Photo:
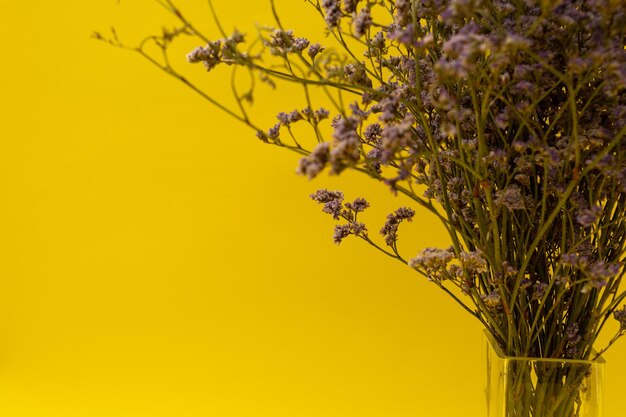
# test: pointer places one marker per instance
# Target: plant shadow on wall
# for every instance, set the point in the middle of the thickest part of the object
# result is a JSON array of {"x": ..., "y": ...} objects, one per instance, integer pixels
[{"x": 505, "y": 119}]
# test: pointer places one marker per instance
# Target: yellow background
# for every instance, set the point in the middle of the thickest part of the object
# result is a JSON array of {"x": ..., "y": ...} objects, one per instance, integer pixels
[{"x": 156, "y": 260}]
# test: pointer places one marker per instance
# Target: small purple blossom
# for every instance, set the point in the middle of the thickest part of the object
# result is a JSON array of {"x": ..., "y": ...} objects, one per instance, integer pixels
[
  {"x": 313, "y": 164},
  {"x": 332, "y": 12},
  {"x": 280, "y": 42},
  {"x": 344, "y": 230},
  {"x": 332, "y": 201},
  {"x": 321, "y": 114},
  {"x": 314, "y": 50},
  {"x": 274, "y": 131},
  {"x": 341, "y": 232},
  {"x": 511, "y": 198},
  {"x": 390, "y": 228},
  {"x": 473, "y": 262},
  {"x": 283, "y": 118},
  {"x": 300, "y": 44},
  {"x": 373, "y": 133},
  {"x": 433, "y": 261},
  {"x": 362, "y": 23},
  {"x": 295, "y": 116},
  {"x": 358, "y": 205},
  {"x": 395, "y": 138},
  {"x": 209, "y": 55}
]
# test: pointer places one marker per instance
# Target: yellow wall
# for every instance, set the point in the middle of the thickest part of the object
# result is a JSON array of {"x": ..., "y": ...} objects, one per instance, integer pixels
[{"x": 156, "y": 260}]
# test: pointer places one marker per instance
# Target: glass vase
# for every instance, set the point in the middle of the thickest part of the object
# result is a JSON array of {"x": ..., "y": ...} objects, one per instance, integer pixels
[{"x": 537, "y": 387}]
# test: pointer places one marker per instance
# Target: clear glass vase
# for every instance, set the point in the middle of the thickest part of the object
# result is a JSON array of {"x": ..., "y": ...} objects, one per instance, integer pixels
[{"x": 536, "y": 387}]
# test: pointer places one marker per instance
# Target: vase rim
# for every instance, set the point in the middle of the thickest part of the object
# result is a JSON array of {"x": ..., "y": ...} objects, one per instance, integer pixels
[{"x": 496, "y": 348}]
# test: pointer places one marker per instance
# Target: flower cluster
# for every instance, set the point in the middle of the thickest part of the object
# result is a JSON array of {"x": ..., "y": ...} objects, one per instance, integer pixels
[
  {"x": 282, "y": 42},
  {"x": 333, "y": 204},
  {"x": 390, "y": 229},
  {"x": 434, "y": 262},
  {"x": 219, "y": 51}
]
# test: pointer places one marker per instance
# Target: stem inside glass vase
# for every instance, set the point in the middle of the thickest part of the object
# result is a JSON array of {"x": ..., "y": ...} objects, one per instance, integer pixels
[{"x": 542, "y": 387}]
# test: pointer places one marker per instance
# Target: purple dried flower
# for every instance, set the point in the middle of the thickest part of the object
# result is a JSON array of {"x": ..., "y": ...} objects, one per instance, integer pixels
[
  {"x": 283, "y": 118},
  {"x": 315, "y": 49},
  {"x": 345, "y": 153},
  {"x": 467, "y": 46},
  {"x": 261, "y": 135},
  {"x": 373, "y": 133},
  {"x": 358, "y": 205},
  {"x": 357, "y": 112},
  {"x": 362, "y": 22},
  {"x": 313, "y": 164},
  {"x": 389, "y": 105},
  {"x": 196, "y": 55},
  {"x": 433, "y": 261},
  {"x": 374, "y": 159},
  {"x": 307, "y": 112},
  {"x": 525, "y": 283},
  {"x": 274, "y": 131},
  {"x": 396, "y": 138},
  {"x": 346, "y": 147},
  {"x": 295, "y": 116},
  {"x": 511, "y": 198},
  {"x": 300, "y": 44},
  {"x": 324, "y": 196},
  {"x": 210, "y": 55},
  {"x": 332, "y": 11},
  {"x": 376, "y": 45},
  {"x": 357, "y": 75},
  {"x": 473, "y": 262},
  {"x": 359, "y": 229},
  {"x": 321, "y": 114},
  {"x": 390, "y": 228},
  {"x": 341, "y": 232},
  {"x": 344, "y": 230},
  {"x": 280, "y": 42},
  {"x": 407, "y": 35},
  {"x": 332, "y": 201},
  {"x": 498, "y": 159}
]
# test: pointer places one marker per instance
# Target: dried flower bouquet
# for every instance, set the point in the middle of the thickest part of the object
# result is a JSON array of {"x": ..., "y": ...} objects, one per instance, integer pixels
[{"x": 505, "y": 119}]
